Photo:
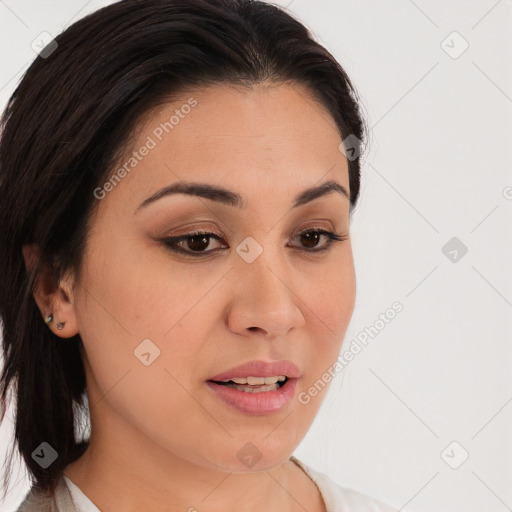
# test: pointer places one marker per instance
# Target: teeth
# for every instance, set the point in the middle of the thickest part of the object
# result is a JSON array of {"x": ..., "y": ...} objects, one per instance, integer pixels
[
  {"x": 253, "y": 389},
  {"x": 256, "y": 381}
]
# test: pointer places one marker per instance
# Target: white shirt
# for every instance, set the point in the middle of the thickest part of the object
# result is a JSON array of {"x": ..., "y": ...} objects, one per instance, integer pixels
[
  {"x": 81, "y": 501},
  {"x": 70, "y": 498},
  {"x": 342, "y": 499}
]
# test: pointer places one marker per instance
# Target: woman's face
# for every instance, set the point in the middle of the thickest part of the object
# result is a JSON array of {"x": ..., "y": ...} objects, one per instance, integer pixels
[{"x": 158, "y": 324}]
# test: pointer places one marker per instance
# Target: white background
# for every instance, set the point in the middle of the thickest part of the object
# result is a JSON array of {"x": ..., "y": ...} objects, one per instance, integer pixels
[{"x": 437, "y": 167}]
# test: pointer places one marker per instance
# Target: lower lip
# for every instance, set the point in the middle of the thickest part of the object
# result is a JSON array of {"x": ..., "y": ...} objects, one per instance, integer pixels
[{"x": 266, "y": 402}]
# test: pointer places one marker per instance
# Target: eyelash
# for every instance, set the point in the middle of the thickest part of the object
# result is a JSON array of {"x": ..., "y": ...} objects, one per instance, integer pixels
[{"x": 172, "y": 242}]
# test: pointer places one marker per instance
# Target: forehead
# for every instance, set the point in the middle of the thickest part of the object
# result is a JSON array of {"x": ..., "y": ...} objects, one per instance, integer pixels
[{"x": 256, "y": 139}]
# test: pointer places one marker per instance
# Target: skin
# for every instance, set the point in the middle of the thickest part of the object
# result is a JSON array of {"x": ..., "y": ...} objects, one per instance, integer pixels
[{"x": 160, "y": 439}]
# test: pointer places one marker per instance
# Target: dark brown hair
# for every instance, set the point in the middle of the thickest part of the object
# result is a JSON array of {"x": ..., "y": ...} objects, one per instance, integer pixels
[{"x": 73, "y": 112}]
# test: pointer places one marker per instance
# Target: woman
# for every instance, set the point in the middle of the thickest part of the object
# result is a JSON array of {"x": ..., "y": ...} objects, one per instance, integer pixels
[{"x": 177, "y": 179}]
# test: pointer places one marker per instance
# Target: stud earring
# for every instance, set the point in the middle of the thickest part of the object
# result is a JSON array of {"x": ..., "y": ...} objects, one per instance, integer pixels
[
  {"x": 49, "y": 319},
  {"x": 61, "y": 325}
]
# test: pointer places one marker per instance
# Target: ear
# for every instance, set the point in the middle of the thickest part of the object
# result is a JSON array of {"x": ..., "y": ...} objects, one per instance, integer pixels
[{"x": 53, "y": 298}]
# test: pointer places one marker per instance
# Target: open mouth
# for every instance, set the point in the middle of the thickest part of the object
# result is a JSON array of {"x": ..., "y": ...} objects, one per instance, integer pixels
[
  {"x": 257, "y": 387},
  {"x": 256, "y": 396},
  {"x": 254, "y": 384}
]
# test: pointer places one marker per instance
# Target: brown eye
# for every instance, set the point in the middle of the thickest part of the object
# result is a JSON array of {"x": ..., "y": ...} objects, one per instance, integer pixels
[
  {"x": 193, "y": 244},
  {"x": 198, "y": 242},
  {"x": 310, "y": 239}
]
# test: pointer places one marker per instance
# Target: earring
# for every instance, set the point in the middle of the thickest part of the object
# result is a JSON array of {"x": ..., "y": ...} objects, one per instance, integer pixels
[
  {"x": 61, "y": 325},
  {"x": 49, "y": 319}
]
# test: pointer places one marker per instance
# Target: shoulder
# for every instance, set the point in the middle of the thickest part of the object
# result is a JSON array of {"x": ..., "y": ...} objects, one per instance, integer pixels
[
  {"x": 338, "y": 499},
  {"x": 39, "y": 501}
]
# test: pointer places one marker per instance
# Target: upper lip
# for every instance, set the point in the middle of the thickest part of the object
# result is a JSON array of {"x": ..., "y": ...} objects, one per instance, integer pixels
[{"x": 260, "y": 369}]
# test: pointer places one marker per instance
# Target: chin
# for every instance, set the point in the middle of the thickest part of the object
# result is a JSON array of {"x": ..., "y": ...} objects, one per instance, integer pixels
[{"x": 253, "y": 458}]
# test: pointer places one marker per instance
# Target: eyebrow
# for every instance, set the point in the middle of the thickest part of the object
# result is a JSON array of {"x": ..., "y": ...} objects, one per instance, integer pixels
[{"x": 230, "y": 198}]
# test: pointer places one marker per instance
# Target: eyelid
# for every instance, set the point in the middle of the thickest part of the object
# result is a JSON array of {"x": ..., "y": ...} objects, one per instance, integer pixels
[
  {"x": 315, "y": 227},
  {"x": 190, "y": 231}
]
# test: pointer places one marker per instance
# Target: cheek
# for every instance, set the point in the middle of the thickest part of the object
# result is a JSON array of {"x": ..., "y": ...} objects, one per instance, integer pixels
[
  {"x": 127, "y": 299},
  {"x": 330, "y": 304},
  {"x": 140, "y": 302},
  {"x": 330, "y": 299},
  {"x": 136, "y": 295}
]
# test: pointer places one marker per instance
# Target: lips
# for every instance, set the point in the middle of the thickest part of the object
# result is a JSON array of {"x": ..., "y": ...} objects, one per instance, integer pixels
[
  {"x": 260, "y": 369},
  {"x": 257, "y": 399}
]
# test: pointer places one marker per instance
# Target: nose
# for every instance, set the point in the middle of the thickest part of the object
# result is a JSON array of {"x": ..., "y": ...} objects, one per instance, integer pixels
[{"x": 265, "y": 299}]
